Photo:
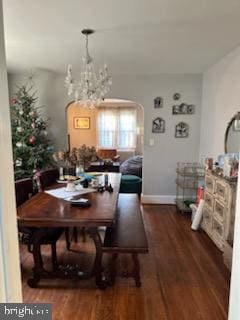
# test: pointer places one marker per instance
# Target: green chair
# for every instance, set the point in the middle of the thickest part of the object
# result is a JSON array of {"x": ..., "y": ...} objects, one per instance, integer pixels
[{"x": 131, "y": 184}]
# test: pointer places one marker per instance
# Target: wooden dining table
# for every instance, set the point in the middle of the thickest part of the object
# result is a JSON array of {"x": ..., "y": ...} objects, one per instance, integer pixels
[{"x": 45, "y": 211}]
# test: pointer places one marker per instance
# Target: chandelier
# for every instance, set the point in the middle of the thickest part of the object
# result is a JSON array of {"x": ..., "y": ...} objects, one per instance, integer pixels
[{"x": 91, "y": 88}]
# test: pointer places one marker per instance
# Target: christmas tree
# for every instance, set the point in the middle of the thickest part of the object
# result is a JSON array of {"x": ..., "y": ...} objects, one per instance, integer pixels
[{"x": 31, "y": 147}]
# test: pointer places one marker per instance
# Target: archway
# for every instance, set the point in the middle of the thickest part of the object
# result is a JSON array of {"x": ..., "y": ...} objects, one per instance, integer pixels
[{"x": 82, "y": 125}]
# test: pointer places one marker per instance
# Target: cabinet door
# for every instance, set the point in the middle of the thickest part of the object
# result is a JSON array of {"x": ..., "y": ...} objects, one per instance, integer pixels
[
  {"x": 219, "y": 211},
  {"x": 210, "y": 183},
  {"x": 221, "y": 191},
  {"x": 217, "y": 234},
  {"x": 209, "y": 200},
  {"x": 207, "y": 220}
]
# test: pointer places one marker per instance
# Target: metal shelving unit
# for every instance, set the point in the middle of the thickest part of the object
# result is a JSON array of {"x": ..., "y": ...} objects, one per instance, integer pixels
[{"x": 188, "y": 177}]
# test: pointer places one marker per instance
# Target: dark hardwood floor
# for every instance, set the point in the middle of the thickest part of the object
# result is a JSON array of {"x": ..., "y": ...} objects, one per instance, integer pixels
[{"x": 183, "y": 277}]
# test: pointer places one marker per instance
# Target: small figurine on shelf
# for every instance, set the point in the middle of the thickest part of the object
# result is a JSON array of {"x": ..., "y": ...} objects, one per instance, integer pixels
[
  {"x": 101, "y": 189},
  {"x": 109, "y": 188},
  {"x": 106, "y": 179},
  {"x": 227, "y": 168},
  {"x": 235, "y": 165},
  {"x": 61, "y": 176},
  {"x": 208, "y": 163},
  {"x": 85, "y": 183}
]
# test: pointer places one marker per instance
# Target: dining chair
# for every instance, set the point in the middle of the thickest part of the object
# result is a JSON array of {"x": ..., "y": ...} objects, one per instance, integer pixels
[
  {"x": 44, "y": 179},
  {"x": 108, "y": 154},
  {"x": 23, "y": 191}
]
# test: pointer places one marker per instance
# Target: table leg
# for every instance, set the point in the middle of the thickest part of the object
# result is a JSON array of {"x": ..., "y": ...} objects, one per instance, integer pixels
[
  {"x": 38, "y": 269},
  {"x": 97, "y": 267}
]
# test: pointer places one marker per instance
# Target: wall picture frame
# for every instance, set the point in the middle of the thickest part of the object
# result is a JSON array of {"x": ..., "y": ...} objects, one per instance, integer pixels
[
  {"x": 176, "y": 96},
  {"x": 81, "y": 122},
  {"x": 183, "y": 108},
  {"x": 181, "y": 130},
  {"x": 158, "y": 125},
  {"x": 158, "y": 102}
]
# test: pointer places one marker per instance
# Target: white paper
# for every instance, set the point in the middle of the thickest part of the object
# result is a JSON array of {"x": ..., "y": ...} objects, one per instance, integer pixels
[{"x": 67, "y": 195}]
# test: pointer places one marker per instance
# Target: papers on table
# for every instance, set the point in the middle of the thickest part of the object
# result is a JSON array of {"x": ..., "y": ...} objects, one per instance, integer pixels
[{"x": 67, "y": 195}]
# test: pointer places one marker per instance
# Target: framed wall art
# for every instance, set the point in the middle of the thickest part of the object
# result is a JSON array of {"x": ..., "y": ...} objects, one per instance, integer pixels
[
  {"x": 176, "y": 96},
  {"x": 158, "y": 102},
  {"x": 158, "y": 125},
  {"x": 81, "y": 122},
  {"x": 182, "y": 130},
  {"x": 183, "y": 108}
]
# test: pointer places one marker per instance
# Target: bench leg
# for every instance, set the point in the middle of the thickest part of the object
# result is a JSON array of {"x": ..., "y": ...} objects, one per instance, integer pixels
[{"x": 136, "y": 269}]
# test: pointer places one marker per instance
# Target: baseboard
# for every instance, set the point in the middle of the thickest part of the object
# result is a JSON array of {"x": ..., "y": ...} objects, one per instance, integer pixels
[{"x": 158, "y": 199}]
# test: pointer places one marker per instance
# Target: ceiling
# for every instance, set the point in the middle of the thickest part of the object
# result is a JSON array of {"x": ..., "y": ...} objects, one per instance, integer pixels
[{"x": 132, "y": 36}]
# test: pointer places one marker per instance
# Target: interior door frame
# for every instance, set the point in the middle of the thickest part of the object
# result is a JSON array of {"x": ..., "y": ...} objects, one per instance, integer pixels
[{"x": 10, "y": 276}]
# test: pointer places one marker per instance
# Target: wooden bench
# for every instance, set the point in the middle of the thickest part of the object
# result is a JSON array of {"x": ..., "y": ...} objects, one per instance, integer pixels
[{"x": 128, "y": 235}]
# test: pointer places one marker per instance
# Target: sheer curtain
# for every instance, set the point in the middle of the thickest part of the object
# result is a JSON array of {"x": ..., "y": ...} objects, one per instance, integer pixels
[{"x": 116, "y": 128}]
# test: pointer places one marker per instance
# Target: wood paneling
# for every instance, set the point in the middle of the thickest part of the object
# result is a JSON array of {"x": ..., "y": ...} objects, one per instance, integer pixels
[{"x": 183, "y": 277}]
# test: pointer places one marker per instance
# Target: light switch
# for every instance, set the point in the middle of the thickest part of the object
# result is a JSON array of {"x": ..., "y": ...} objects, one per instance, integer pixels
[{"x": 151, "y": 142}]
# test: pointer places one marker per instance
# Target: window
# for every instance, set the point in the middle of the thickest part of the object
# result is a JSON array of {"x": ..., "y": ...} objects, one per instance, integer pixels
[{"x": 117, "y": 128}]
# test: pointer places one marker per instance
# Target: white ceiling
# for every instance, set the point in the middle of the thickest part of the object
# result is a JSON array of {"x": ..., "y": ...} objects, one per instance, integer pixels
[{"x": 132, "y": 36}]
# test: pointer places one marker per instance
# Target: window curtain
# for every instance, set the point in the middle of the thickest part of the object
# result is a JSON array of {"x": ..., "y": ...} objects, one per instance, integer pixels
[
  {"x": 116, "y": 128},
  {"x": 107, "y": 127}
]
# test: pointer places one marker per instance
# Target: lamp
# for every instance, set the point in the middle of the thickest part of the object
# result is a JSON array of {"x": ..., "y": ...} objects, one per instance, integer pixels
[{"x": 91, "y": 89}]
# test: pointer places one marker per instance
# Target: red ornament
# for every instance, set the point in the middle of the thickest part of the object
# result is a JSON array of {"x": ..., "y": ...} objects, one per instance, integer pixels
[
  {"x": 13, "y": 101},
  {"x": 32, "y": 139}
]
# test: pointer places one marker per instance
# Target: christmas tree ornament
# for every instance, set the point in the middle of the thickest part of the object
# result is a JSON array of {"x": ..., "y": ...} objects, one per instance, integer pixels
[
  {"x": 21, "y": 112},
  {"x": 13, "y": 101},
  {"x": 32, "y": 139},
  {"x": 50, "y": 148},
  {"x": 19, "y": 144},
  {"x": 19, "y": 129},
  {"x": 33, "y": 125},
  {"x": 18, "y": 162},
  {"x": 45, "y": 133}
]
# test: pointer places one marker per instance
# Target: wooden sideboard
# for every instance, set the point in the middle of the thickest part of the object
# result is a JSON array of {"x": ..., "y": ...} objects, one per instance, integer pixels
[{"x": 219, "y": 212}]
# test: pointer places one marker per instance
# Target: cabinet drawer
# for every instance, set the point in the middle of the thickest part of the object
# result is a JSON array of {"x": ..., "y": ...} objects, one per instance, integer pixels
[
  {"x": 221, "y": 191},
  {"x": 209, "y": 200},
  {"x": 219, "y": 211},
  {"x": 210, "y": 184}
]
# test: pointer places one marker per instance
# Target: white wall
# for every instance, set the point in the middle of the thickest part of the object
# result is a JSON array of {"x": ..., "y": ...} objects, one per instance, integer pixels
[
  {"x": 160, "y": 160},
  {"x": 221, "y": 100}
]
